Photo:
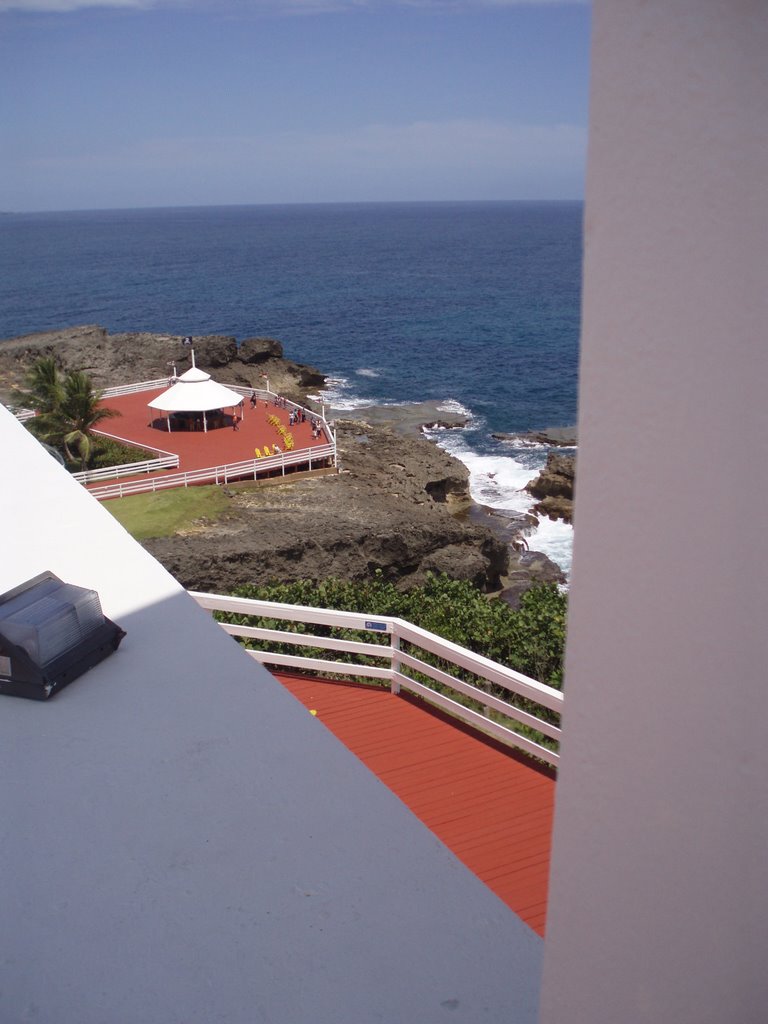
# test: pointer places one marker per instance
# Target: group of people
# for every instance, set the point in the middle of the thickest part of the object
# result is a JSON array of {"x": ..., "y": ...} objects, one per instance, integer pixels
[{"x": 295, "y": 416}]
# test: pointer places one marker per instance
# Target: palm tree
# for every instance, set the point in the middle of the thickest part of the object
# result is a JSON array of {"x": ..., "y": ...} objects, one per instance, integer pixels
[
  {"x": 77, "y": 415},
  {"x": 44, "y": 388},
  {"x": 67, "y": 410},
  {"x": 44, "y": 393}
]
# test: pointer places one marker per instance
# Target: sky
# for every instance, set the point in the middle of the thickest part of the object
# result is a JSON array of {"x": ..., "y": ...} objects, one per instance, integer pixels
[{"x": 146, "y": 103}]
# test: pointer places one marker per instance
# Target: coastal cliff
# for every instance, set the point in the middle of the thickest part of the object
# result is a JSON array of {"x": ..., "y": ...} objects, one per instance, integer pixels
[{"x": 399, "y": 503}]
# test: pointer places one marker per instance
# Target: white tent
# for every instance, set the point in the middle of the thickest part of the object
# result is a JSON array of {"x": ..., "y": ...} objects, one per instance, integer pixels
[{"x": 194, "y": 392}]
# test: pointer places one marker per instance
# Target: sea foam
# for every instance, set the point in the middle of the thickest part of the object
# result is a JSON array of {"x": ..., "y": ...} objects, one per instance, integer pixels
[
  {"x": 498, "y": 480},
  {"x": 337, "y": 395}
]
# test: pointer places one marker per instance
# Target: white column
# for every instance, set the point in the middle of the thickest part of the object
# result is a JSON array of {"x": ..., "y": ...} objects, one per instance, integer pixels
[{"x": 659, "y": 892}]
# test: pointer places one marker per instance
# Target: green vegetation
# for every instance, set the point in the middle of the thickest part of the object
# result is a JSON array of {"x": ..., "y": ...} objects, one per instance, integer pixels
[
  {"x": 530, "y": 640},
  {"x": 163, "y": 513},
  {"x": 107, "y": 452},
  {"x": 45, "y": 391},
  {"x": 68, "y": 410}
]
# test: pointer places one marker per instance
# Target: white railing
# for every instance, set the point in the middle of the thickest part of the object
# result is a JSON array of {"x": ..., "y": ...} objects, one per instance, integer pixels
[
  {"x": 164, "y": 460},
  {"x": 246, "y": 392},
  {"x": 23, "y": 415},
  {"x": 228, "y": 473},
  {"x": 132, "y": 389},
  {"x": 127, "y": 469},
  {"x": 399, "y": 661}
]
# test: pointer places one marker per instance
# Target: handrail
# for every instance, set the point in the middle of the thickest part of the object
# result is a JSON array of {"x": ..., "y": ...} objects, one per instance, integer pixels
[
  {"x": 161, "y": 452},
  {"x": 132, "y": 389},
  {"x": 166, "y": 460},
  {"x": 224, "y": 474},
  {"x": 127, "y": 469},
  {"x": 398, "y": 664}
]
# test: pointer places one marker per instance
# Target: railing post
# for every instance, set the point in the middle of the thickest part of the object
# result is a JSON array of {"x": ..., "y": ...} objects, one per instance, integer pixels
[{"x": 394, "y": 686}]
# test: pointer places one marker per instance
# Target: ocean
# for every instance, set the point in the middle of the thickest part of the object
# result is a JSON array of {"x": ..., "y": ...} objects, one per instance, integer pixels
[{"x": 474, "y": 305}]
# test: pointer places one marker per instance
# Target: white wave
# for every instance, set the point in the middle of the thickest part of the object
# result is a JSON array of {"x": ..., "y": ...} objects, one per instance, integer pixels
[
  {"x": 367, "y": 373},
  {"x": 555, "y": 539},
  {"x": 336, "y": 394},
  {"x": 498, "y": 481},
  {"x": 347, "y": 404},
  {"x": 334, "y": 387},
  {"x": 521, "y": 443},
  {"x": 453, "y": 406}
]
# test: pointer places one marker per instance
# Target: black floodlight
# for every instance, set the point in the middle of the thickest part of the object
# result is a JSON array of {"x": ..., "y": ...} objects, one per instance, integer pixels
[{"x": 50, "y": 633}]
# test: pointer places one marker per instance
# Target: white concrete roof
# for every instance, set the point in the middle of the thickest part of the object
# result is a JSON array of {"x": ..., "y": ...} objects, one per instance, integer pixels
[{"x": 183, "y": 842}]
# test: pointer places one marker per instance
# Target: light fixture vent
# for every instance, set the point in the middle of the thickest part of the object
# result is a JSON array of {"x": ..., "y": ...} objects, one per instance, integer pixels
[{"x": 50, "y": 633}]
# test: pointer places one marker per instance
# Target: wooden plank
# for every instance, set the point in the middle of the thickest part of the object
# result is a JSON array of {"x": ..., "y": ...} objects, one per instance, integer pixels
[{"x": 491, "y": 806}]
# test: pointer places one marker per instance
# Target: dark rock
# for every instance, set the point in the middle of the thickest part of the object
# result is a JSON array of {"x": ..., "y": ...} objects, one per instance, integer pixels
[
  {"x": 213, "y": 351},
  {"x": 554, "y": 486},
  {"x": 524, "y": 567},
  {"x": 555, "y": 508},
  {"x": 556, "y": 479},
  {"x": 565, "y": 437},
  {"x": 412, "y": 419},
  {"x": 257, "y": 350},
  {"x": 443, "y": 424},
  {"x": 527, "y": 568}
]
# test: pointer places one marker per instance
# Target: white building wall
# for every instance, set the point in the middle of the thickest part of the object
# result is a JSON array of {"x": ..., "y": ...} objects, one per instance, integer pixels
[{"x": 659, "y": 892}]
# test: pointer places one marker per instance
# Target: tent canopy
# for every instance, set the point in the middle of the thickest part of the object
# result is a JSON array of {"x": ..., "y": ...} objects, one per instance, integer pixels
[{"x": 194, "y": 391}]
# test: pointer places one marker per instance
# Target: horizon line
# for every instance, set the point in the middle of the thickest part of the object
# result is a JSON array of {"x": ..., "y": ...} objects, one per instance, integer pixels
[{"x": 330, "y": 202}]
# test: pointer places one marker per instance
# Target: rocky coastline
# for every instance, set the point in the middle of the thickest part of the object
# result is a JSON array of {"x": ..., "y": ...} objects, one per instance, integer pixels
[{"x": 399, "y": 504}]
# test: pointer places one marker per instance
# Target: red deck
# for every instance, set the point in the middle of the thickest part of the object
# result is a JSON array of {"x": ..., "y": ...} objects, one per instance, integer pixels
[
  {"x": 490, "y": 806},
  {"x": 199, "y": 449}
]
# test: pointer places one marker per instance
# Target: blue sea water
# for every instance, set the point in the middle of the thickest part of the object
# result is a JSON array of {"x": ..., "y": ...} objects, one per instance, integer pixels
[{"x": 472, "y": 304}]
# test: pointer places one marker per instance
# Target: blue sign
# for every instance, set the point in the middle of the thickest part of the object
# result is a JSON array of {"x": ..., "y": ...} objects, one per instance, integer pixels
[{"x": 380, "y": 626}]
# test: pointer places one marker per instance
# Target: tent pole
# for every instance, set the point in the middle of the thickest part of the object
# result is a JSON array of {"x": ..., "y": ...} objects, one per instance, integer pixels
[{"x": 205, "y": 422}]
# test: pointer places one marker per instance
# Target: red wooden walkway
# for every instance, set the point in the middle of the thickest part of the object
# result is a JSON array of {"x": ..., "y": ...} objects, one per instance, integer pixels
[{"x": 492, "y": 807}]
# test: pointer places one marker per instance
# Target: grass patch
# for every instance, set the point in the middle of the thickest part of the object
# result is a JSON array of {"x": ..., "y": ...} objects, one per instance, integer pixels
[{"x": 165, "y": 513}]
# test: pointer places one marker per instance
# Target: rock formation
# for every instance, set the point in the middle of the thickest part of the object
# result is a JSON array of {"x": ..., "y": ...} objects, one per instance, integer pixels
[{"x": 554, "y": 487}]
